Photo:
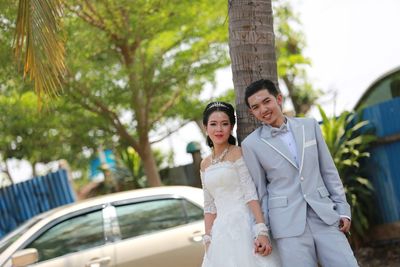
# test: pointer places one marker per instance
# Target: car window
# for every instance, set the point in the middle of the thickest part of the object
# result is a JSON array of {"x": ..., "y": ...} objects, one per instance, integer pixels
[
  {"x": 71, "y": 235},
  {"x": 6, "y": 241},
  {"x": 150, "y": 216},
  {"x": 193, "y": 212}
]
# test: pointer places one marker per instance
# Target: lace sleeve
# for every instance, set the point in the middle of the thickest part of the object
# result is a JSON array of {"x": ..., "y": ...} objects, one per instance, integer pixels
[
  {"x": 246, "y": 182},
  {"x": 209, "y": 206}
]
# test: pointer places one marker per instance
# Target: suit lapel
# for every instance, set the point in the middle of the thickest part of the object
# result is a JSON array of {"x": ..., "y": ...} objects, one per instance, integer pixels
[
  {"x": 298, "y": 134},
  {"x": 276, "y": 144}
]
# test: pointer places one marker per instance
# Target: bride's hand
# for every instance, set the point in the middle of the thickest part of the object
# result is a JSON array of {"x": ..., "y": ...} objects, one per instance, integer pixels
[
  {"x": 206, "y": 241},
  {"x": 262, "y": 245}
]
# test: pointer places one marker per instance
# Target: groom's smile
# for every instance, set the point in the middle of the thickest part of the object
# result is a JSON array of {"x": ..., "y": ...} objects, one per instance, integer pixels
[{"x": 267, "y": 108}]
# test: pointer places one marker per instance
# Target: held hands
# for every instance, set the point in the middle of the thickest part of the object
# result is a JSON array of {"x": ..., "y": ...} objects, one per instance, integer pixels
[{"x": 262, "y": 245}]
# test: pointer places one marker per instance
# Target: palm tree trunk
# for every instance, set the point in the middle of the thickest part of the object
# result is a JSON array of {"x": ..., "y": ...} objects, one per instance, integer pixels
[{"x": 252, "y": 52}]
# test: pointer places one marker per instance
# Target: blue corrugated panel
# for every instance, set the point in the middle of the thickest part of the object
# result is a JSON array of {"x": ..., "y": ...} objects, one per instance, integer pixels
[
  {"x": 20, "y": 202},
  {"x": 385, "y": 162},
  {"x": 7, "y": 221},
  {"x": 42, "y": 193},
  {"x": 385, "y": 117},
  {"x": 67, "y": 194},
  {"x": 53, "y": 194}
]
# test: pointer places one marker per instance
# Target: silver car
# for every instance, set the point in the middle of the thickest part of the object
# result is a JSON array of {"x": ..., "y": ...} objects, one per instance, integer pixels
[{"x": 151, "y": 227}]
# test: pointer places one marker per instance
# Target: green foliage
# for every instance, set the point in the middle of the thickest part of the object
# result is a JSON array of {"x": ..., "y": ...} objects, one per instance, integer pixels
[
  {"x": 135, "y": 177},
  {"x": 292, "y": 64},
  {"x": 150, "y": 54},
  {"x": 130, "y": 62},
  {"x": 10, "y": 80},
  {"x": 141, "y": 61},
  {"x": 129, "y": 171},
  {"x": 348, "y": 147},
  {"x": 58, "y": 132}
]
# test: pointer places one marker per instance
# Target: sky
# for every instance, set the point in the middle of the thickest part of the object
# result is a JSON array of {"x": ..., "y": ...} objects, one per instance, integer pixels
[{"x": 351, "y": 43}]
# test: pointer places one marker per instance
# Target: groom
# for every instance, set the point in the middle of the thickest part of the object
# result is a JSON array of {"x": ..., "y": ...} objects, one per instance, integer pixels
[{"x": 300, "y": 190}]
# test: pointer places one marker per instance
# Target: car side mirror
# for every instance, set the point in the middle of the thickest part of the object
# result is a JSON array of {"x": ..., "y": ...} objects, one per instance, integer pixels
[{"x": 25, "y": 257}]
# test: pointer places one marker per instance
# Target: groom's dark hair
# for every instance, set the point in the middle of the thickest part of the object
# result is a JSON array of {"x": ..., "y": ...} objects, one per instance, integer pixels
[{"x": 256, "y": 86}]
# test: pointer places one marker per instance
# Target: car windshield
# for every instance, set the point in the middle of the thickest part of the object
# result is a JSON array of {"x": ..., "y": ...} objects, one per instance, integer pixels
[{"x": 6, "y": 241}]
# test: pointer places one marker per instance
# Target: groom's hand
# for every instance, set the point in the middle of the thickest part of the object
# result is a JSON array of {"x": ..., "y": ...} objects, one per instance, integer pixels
[
  {"x": 262, "y": 245},
  {"x": 344, "y": 225}
]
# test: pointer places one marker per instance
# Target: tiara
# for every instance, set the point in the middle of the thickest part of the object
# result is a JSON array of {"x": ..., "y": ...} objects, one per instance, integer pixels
[{"x": 218, "y": 105}]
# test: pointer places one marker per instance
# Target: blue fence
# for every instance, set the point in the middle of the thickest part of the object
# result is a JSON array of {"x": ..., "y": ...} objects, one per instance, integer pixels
[
  {"x": 385, "y": 160},
  {"x": 20, "y": 202}
]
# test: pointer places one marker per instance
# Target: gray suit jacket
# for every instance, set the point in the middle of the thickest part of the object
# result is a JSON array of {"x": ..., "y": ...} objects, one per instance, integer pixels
[{"x": 285, "y": 188}]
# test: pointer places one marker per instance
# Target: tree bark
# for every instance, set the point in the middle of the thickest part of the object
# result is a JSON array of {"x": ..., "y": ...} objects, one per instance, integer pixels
[
  {"x": 252, "y": 52},
  {"x": 149, "y": 164},
  {"x": 7, "y": 172}
]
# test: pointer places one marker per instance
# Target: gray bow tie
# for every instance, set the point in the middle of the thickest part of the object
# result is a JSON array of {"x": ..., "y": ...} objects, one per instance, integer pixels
[{"x": 280, "y": 130}]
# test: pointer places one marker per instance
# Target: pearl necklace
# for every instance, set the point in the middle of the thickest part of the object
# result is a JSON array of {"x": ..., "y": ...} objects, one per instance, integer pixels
[{"x": 220, "y": 157}]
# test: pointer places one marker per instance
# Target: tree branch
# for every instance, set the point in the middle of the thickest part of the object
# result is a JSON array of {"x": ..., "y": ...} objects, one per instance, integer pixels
[
  {"x": 101, "y": 109},
  {"x": 169, "y": 132},
  {"x": 98, "y": 23},
  {"x": 113, "y": 16},
  {"x": 161, "y": 112}
]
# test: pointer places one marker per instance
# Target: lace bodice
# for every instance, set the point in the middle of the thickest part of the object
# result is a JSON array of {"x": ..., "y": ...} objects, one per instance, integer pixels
[{"x": 227, "y": 184}]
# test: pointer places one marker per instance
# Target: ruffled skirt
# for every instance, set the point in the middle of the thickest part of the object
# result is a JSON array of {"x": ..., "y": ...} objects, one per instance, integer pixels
[{"x": 232, "y": 243}]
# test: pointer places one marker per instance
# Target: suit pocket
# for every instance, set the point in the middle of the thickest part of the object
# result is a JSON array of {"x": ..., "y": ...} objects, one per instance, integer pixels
[
  {"x": 310, "y": 143},
  {"x": 323, "y": 192},
  {"x": 277, "y": 202}
]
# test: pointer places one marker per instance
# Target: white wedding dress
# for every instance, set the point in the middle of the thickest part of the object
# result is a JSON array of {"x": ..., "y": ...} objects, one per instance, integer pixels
[{"x": 227, "y": 189}]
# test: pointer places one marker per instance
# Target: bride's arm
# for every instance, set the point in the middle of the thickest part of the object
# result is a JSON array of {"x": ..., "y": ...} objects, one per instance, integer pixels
[
  {"x": 255, "y": 208},
  {"x": 262, "y": 242},
  {"x": 210, "y": 211},
  {"x": 208, "y": 222}
]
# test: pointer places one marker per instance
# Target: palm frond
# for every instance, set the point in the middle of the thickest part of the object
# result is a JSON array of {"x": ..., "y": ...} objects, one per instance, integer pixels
[{"x": 38, "y": 46}]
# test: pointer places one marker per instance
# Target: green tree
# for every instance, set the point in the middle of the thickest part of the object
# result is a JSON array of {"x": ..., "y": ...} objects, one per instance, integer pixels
[
  {"x": 60, "y": 132},
  {"x": 348, "y": 147},
  {"x": 130, "y": 64},
  {"x": 292, "y": 64}
]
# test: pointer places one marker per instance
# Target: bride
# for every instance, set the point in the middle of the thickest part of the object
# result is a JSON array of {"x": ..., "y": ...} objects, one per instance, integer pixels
[{"x": 235, "y": 232}]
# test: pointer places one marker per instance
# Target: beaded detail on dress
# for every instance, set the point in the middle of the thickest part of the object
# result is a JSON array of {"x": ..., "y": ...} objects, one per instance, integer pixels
[{"x": 220, "y": 158}]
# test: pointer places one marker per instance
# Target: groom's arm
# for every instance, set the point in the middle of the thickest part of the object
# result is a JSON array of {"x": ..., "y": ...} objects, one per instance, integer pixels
[
  {"x": 257, "y": 173},
  {"x": 330, "y": 175}
]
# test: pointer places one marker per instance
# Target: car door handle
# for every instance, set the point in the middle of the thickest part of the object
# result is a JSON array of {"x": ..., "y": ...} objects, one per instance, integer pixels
[
  {"x": 197, "y": 236},
  {"x": 98, "y": 262}
]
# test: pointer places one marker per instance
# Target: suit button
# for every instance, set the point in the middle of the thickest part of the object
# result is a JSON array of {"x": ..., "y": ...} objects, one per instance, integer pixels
[
  {"x": 302, "y": 178},
  {"x": 305, "y": 195}
]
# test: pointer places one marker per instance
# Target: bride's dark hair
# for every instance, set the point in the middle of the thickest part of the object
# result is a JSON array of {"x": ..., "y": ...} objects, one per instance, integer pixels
[{"x": 227, "y": 109}]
